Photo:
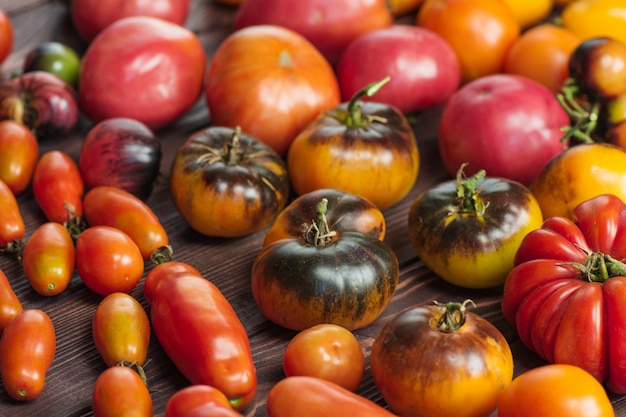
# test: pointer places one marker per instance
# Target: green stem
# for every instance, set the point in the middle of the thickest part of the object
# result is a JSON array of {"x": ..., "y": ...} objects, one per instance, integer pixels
[
  {"x": 355, "y": 118},
  {"x": 468, "y": 200},
  {"x": 454, "y": 316}
]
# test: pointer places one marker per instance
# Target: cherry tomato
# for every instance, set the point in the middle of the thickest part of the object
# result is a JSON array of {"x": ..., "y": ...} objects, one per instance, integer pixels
[
  {"x": 441, "y": 360},
  {"x": 27, "y": 349},
  {"x": 19, "y": 151},
  {"x": 591, "y": 18},
  {"x": 111, "y": 206},
  {"x": 530, "y": 12},
  {"x": 10, "y": 304},
  {"x": 121, "y": 330},
  {"x": 555, "y": 391},
  {"x": 162, "y": 270},
  {"x": 12, "y": 228},
  {"x": 480, "y": 31},
  {"x": 49, "y": 259},
  {"x": 6, "y": 36},
  {"x": 58, "y": 187},
  {"x": 120, "y": 391},
  {"x": 56, "y": 58},
  {"x": 542, "y": 53},
  {"x": 108, "y": 260},
  {"x": 326, "y": 351},
  {"x": 190, "y": 397}
]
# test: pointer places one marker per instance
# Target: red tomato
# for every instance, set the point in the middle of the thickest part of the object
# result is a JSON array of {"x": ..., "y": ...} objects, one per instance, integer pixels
[
  {"x": 326, "y": 351},
  {"x": 188, "y": 398},
  {"x": 271, "y": 82},
  {"x": 210, "y": 410},
  {"x": 108, "y": 260},
  {"x": 27, "y": 349},
  {"x": 12, "y": 228},
  {"x": 160, "y": 271},
  {"x": 10, "y": 304},
  {"x": 19, "y": 151},
  {"x": 158, "y": 73},
  {"x": 121, "y": 330},
  {"x": 6, "y": 36},
  {"x": 58, "y": 187},
  {"x": 49, "y": 259},
  {"x": 480, "y": 31},
  {"x": 120, "y": 391},
  {"x": 555, "y": 391}
]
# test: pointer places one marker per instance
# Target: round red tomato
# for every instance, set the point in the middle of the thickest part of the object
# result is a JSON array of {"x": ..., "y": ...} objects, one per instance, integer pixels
[
  {"x": 19, "y": 152},
  {"x": 120, "y": 391},
  {"x": 143, "y": 68},
  {"x": 271, "y": 82},
  {"x": 6, "y": 35}
]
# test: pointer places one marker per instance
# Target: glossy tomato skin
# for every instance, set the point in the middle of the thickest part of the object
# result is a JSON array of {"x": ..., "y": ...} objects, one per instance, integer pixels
[
  {"x": 161, "y": 270},
  {"x": 121, "y": 330},
  {"x": 6, "y": 34},
  {"x": 19, "y": 151},
  {"x": 591, "y": 18},
  {"x": 58, "y": 187},
  {"x": 155, "y": 94},
  {"x": 108, "y": 260},
  {"x": 270, "y": 81},
  {"x": 27, "y": 349},
  {"x": 326, "y": 351},
  {"x": 111, "y": 206},
  {"x": 529, "y": 13},
  {"x": 555, "y": 390},
  {"x": 186, "y": 399},
  {"x": 329, "y": 27},
  {"x": 226, "y": 183},
  {"x": 423, "y": 370},
  {"x": 56, "y": 58},
  {"x": 378, "y": 160},
  {"x": 202, "y": 334},
  {"x": 323, "y": 398},
  {"x": 345, "y": 212},
  {"x": 12, "y": 228},
  {"x": 10, "y": 304},
  {"x": 49, "y": 259},
  {"x": 473, "y": 245},
  {"x": 118, "y": 391}
]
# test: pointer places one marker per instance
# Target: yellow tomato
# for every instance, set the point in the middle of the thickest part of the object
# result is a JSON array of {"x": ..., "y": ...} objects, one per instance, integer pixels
[
  {"x": 591, "y": 18},
  {"x": 402, "y": 7},
  {"x": 529, "y": 12},
  {"x": 578, "y": 174}
]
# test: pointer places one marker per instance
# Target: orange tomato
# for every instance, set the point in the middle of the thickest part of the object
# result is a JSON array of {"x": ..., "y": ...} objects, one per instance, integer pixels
[
  {"x": 12, "y": 228},
  {"x": 542, "y": 53},
  {"x": 193, "y": 396},
  {"x": 6, "y": 35},
  {"x": 120, "y": 391},
  {"x": 480, "y": 31},
  {"x": 402, "y": 7},
  {"x": 530, "y": 12},
  {"x": 10, "y": 305},
  {"x": 19, "y": 151},
  {"x": 592, "y": 18}
]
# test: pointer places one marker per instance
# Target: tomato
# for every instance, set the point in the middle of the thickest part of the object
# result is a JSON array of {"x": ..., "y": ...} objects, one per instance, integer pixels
[
  {"x": 158, "y": 73},
  {"x": 6, "y": 36},
  {"x": 202, "y": 334},
  {"x": 578, "y": 174},
  {"x": 228, "y": 184},
  {"x": 529, "y": 13},
  {"x": 345, "y": 212},
  {"x": 489, "y": 119},
  {"x": 19, "y": 151},
  {"x": 10, "y": 304},
  {"x": 363, "y": 148},
  {"x": 211, "y": 410},
  {"x": 120, "y": 391},
  {"x": 617, "y": 134},
  {"x": 114, "y": 207},
  {"x": 161, "y": 270},
  {"x": 294, "y": 286},
  {"x": 555, "y": 391},
  {"x": 480, "y": 31},
  {"x": 54, "y": 57},
  {"x": 58, "y": 187},
  {"x": 192, "y": 396},
  {"x": 542, "y": 54},
  {"x": 271, "y": 82},
  {"x": 108, "y": 260},
  {"x": 321, "y": 398},
  {"x": 121, "y": 330},
  {"x": 12, "y": 228},
  {"x": 564, "y": 296},
  {"x": 27, "y": 349},
  {"x": 330, "y": 27},
  {"x": 468, "y": 230},
  {"x": 591, "y": 18},
  {"x": 326, "y": 351},
  {"x": 441, "y": 360},
  {"x": 402, "y": 7},
  {"x": 49, "y": 259}
]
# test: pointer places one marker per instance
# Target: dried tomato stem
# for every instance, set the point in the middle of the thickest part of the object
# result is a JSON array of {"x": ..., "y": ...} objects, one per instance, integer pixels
[
  {"x": 453, "y": 317},
  {"x": 318, "y": 233},
  {"x": 467, "y": 197}
]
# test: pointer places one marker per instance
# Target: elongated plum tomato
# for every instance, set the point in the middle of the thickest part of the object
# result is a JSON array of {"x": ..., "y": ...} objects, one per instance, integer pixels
[
  {"x": 19, "y": 151},
  {"x": 10, "y": 304},
  {"x": 6, "y": 35},
  {"x": 120, "y": 391},
  {"x": 12, "y": 228},
  {"x": 162, "y": 270},
  {"x": 192, "y": 396}
]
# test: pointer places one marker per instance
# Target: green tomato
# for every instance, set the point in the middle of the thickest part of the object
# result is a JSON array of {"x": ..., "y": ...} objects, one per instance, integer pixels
[{"x": 56, "y": 58}]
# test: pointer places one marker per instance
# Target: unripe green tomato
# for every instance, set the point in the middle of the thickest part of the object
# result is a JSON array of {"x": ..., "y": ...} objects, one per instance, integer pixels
[{"x": 56, "y": 58}]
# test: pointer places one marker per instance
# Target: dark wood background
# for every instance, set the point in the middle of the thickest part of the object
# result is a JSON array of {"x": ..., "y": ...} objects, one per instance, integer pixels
[{"x": 227, "y": 262}]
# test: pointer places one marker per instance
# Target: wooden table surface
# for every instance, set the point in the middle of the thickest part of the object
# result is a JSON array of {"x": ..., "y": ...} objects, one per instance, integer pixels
[{"x": 227, "y": 262}]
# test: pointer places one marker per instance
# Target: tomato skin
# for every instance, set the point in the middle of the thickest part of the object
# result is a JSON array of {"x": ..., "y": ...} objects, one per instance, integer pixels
[
  {"x": 202, "y": 334},
  {"x": 326, "y": 351},
  {"x": 49, "y": 259},
  {"x": 27, "y": 349},
  {"x": 121, "y": 330},
  {"x": 114, "y": 207},
  {"x": 591, "y": 18},
  {"x": 6, "y": 35},
  {"x": 554, "y": 391},
  {"x": 424, "y": 370},
  {"x": 162, "y": 270},
  {"x": 58, "y": 187},
  {"x": 108, "y": 260},
  {"x": 120, "y": 391},
  {"x": 10, "y": 304},
  {"x": 19, "y": 151},
  {"x": 210, "y": 410},
  {"x": 529, "y": 13},
  {"x": 323, "y": 398},
  {"x": 12, "y": 228},
  {"x": 56, "y": 58},
  {"x": 192, "y": 396}
]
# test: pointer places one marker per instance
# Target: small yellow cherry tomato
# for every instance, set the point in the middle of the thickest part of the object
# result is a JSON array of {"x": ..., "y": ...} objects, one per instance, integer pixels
[
  {"x": 591, "y": 18},
  {"x": 530, "y": 12}
]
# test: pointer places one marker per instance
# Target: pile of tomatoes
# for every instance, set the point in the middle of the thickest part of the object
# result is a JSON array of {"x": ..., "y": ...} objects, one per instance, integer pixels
[{"x": 309, "y": 140}]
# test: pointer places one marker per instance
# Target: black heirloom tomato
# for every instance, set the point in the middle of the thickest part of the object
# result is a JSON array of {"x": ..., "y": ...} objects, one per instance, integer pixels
[
  {"x": 228, "y": 184},
  {"x": 468, "y": 230},
  {"x": 342, "y": 277}
]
